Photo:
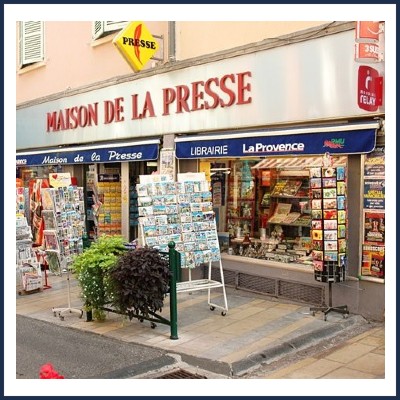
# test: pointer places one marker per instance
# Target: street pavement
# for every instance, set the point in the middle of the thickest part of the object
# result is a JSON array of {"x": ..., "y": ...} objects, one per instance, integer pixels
[
  {"x": 260, "y": 338},
  {"x": 80, "y": 355}
]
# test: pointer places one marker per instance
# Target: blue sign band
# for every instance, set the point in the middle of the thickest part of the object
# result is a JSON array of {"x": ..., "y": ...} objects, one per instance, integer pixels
[
  {"x": 336, "y": 142},
  {"x": 143, "y": 152}
]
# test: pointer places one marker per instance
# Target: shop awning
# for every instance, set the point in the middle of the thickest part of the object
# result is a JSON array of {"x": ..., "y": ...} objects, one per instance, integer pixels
[
  {"x": 313, "y": 140},
  {"x": 97, "y": 153},
  {"x": 298, "y": 162}
]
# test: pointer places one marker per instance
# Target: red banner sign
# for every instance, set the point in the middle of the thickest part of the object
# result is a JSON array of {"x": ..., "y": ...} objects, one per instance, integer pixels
[{"x": 370, "y": 84}]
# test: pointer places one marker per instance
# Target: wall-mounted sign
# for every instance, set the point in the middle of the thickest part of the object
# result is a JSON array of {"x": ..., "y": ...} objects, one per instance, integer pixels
[
  {"x": 366, "y": 52},
  {"x": 367, "y": 31},
  {"x": 370, "y": 88},
  {"x": 136, "y": 44}
]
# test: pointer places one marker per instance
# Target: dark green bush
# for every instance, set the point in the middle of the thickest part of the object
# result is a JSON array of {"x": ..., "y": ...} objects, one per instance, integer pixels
[{"x": 140, "y": 282}]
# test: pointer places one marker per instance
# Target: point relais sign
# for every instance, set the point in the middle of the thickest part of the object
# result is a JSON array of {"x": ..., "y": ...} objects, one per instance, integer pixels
[{"x": 344, "y": 140}]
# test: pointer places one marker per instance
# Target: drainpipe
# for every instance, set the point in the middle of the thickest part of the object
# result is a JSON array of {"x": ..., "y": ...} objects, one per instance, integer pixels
[{"x": 171, "y": 41}]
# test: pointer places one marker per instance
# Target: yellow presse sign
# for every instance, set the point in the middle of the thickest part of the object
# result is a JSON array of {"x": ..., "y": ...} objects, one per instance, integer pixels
[{"x": 136, "y": 44}]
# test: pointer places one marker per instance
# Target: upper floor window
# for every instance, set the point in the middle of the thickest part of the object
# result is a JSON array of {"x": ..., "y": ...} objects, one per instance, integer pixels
[
  {"x": 31, "y": 42},
  {"x": 103, "y": 28}
]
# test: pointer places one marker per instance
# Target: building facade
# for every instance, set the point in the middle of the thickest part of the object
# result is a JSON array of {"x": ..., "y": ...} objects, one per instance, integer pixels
[{"x": 286, "y": 124}]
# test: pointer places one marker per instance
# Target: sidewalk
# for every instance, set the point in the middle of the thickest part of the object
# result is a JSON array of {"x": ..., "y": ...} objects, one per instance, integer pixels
[
  {"x": 361, "y": 357},
  {"x": 257, "y": 331}
]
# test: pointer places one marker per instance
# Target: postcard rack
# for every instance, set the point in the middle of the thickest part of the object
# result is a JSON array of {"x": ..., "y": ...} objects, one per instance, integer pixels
[
  {"x": 182, "y": 212},
  {"x": 329, "y": 230}
]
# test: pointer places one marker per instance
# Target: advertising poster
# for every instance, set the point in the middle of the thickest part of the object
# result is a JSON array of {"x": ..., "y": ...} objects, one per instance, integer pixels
[
  {"x": 374, "y": 227},
  {"x": 374, "y": 194},
  {"x": 374, "y": 164},
  {"x": 167, "y": 162},
  {"x": 373, "y": 261}
]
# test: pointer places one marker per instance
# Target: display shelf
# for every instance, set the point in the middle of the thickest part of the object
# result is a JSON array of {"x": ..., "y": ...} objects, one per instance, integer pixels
[
  {"x": 290, "y": 205},
  {"x": 241, "y": 201}
]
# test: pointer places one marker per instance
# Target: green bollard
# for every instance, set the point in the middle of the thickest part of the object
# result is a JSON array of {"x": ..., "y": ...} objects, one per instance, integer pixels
[
  {"x": 85, "y": 240},
  {"x": 173, "y": 306}
]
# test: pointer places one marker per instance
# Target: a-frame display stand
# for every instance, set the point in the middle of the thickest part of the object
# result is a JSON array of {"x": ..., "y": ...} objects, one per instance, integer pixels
[
  {"x": 328, "y": 230},
  {"x": 182, "y": 212}
]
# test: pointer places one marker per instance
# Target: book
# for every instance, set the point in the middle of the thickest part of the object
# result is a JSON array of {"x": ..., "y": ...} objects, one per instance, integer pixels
[
  {"x": 291, "y": 188},
  {"x": 291, "y": 217},
  {"x": 278, "y": 188},
  {"x": 281, "y": 211}
]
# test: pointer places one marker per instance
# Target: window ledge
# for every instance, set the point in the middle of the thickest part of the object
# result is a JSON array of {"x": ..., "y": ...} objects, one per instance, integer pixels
[
  {"x": 269, "y": 263},
  {"x": 32, "y": 67},
  {"x": 106, "y": 39}
]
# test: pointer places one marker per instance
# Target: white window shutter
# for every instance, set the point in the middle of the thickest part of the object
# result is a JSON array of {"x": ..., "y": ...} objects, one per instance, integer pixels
[
  {"x": 99, "y": 28},
  {"x": 31, "y": 38}
]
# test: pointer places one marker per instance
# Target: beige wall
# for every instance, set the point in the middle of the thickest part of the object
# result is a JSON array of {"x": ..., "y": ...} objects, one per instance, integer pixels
[
  {"x": 198, "y": 38},
  {"x": 73, "y": 60}
]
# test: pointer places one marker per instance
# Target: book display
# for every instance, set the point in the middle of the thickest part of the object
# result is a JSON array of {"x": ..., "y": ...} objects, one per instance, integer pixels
[
  {"x": 241, "y": 200},
  {"x": 290, "y": 204},
  {"x": 181, "y": 212},
  {"x": 109, "y": 212}
]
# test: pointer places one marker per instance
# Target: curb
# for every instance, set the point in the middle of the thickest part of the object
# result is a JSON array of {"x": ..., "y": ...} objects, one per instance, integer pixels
[{"x": 290, "y": 347}]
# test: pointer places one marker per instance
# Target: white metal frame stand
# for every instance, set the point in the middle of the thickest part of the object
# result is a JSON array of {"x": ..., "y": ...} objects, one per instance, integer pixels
[
  {"x": 61, "y": 311},
  {"x": 201, "y": 284}
]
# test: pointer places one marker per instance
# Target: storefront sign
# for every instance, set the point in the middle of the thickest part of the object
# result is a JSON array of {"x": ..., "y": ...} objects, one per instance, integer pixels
[
  {"x": 340, "y": 142},
  {"x": 141, "y": 152},
  {"x": 136, "y": 44},
  {"x": 232, "y": 93},
  {"x": 215, "y": 92},
  {"x": 370, "y": 88}
]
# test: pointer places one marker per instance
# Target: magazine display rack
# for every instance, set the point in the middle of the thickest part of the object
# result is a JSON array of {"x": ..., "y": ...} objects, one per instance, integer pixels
[
  {"x": 182, "y": 212},
  {"x": 64, "y": 220},
  {"x": 328, "y": 230},
  {"x": 28, "y": 269}
]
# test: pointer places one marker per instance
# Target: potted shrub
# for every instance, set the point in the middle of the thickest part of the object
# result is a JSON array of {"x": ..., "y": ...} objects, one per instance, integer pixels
[
  {"x": 140, "y": 282},
  {"x": 92, "y": 267}
]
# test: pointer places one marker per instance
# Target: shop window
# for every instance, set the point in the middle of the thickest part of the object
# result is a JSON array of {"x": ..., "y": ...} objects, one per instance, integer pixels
[
  {"x": 104, "y": 28},
  {"x": 272, "y": 205},
  {"x": 31, "y": 43}
]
